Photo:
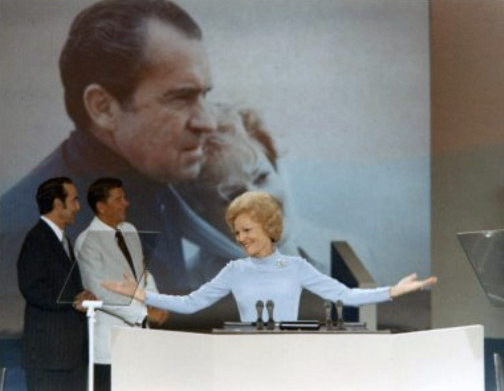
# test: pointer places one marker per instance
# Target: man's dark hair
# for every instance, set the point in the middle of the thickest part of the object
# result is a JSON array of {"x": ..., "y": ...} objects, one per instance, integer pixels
[
  {"x": 49, "y": 191},
  {"x": 100, "y": 189},
  {"x": 106, "y": 45}
]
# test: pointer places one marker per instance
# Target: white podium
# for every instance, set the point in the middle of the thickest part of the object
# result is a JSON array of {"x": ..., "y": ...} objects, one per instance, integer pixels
[{"x": 442, "y": 359}]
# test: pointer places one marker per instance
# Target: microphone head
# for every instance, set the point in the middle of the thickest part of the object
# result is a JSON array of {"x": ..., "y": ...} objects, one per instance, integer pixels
[
  {"x": 269, "y": 307},
  {"x": 259, "y": 304}
]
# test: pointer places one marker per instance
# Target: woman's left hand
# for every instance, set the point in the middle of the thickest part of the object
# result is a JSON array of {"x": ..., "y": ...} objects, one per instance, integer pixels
[
  {"x": 411, "y": 284},
  {"x": 127, "y": 287}
]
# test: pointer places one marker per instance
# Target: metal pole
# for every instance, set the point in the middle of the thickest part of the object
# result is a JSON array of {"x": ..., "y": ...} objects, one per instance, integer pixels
[{"x": 91, "y": 305}]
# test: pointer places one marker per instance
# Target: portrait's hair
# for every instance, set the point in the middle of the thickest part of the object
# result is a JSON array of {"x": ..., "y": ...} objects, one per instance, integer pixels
[
  {"x": 49, "y": 191},
  {"x": 262, "y": 208},
  {"x": 100, "y": 189},
  {"x": 255, "y": 128},
  {"x": 106, "y": 45}
]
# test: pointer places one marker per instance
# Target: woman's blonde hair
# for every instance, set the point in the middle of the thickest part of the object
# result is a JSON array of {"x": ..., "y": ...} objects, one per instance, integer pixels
[{"x": 262, "y": 208}]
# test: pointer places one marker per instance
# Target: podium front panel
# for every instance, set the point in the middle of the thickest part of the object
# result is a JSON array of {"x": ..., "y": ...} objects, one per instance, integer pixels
[{"x": 417, "y": 361}]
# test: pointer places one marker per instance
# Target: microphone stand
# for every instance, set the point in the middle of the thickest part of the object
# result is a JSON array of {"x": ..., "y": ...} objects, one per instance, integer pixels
[
  {"x": 91, "y": 306},
  {"x": 328, "y": 319},
  {"x": 271, "y": 322},
  {"x": 259, "y": 309},
  {"x": 340, "y": 322}
]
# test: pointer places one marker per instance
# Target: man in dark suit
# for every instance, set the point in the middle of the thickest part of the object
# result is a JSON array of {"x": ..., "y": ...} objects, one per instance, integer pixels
[{"x": 55, "y": 332}]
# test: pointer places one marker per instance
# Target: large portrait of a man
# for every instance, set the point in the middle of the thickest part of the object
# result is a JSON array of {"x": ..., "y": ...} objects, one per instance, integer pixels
[{"x": 323, "y": 103}]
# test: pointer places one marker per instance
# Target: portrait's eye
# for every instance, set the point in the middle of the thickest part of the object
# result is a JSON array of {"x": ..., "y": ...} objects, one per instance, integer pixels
[
  {"x": 180, "y": 96},
  {"x": 261, "y": 179}
]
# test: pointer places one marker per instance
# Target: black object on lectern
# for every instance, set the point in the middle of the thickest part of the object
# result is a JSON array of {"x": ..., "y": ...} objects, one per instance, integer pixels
[{"x": 485, "y": 251}]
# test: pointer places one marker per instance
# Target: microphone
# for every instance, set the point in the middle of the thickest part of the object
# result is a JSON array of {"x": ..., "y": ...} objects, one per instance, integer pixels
[
  {"x": 259, "y": 309},
  {"x": 328, "y": 320},
  {"x": 270, "y": 306},
  {"x": 340, "y": 322}
]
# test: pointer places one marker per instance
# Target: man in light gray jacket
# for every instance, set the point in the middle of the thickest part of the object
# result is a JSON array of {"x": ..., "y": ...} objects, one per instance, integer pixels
[{"x": 107, "y": 249}]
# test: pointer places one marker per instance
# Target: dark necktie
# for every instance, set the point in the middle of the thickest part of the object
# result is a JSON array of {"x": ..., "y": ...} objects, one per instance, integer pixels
[
  {"x": 124, "y": 248},
  {"x": 65, "y": 241}
]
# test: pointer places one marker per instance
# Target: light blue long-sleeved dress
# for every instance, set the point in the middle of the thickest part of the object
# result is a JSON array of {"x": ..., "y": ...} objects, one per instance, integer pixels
[{"x": 277, "y": 277}]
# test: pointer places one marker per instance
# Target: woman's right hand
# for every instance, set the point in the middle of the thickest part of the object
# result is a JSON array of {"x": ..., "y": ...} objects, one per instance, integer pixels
[
  {"x": 411, "y": 284},
  {"x": 128, "y": 287}
]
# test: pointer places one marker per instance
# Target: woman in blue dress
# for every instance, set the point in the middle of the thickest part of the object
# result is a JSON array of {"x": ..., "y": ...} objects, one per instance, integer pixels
[{"x": 265, "y": 274}]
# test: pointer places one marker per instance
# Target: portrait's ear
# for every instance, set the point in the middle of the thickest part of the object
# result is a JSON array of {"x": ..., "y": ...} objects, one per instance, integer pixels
[{"x": 102, "y": 108}]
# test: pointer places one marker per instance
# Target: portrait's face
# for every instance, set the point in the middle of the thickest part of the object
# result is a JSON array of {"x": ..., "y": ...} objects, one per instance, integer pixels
[
  {"x": 254, "y": 173},
  {"x": 162, "y": 130},
  {"x": 113, "y": 210},
  {"x": 251, "y": 236},
  {"x": 71, "y": 206}
]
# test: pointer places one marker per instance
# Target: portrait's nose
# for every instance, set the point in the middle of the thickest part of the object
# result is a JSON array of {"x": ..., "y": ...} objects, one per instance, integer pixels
[{"x": 203, "y": 119}]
